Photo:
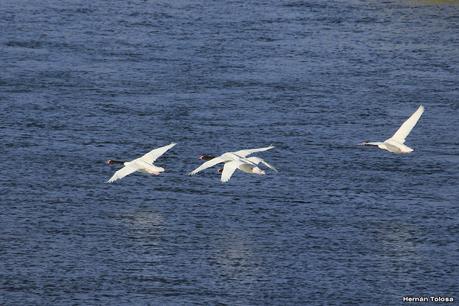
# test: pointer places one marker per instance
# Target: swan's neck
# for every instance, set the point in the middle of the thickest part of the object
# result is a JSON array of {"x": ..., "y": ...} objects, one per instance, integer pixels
[
  {"x": 112, "y": 161},
  {"x": 371, "y": 143},
  {"x": 206, "y": 157}
]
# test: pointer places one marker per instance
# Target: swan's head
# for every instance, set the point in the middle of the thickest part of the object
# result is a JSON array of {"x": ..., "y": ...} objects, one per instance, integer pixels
[
  {"x": 258, "y": 171},
  {"x": 111, "y": 162},
  {"x": 364, "y": 143},
  {"x": 206, "y": 157}
]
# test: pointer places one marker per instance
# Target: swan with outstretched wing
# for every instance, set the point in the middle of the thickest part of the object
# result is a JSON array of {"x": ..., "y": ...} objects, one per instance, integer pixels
[
  {"x": 142, "y": 164},
  {"x": 396, "y": 144}
]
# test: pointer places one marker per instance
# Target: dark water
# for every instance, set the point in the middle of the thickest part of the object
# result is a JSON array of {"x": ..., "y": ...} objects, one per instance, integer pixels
[{"x": 84, "y": 81}]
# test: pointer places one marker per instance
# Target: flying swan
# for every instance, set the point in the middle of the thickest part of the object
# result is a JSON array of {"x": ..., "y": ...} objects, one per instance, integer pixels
[
  {"x": 233, "y": 161},
  {"x": 142, "y": 164},
  {"x": 395, "y": 144}
]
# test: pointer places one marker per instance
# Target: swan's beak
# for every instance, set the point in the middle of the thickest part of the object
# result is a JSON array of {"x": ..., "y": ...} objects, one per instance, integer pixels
[{"x": 220, "y": 171}]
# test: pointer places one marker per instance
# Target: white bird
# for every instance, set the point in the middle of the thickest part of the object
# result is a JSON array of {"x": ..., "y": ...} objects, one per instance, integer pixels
[
  {"x": 142, "y": 164},
  {"x": 395, "y": 144},
  {"x": 233, "y": 161}
]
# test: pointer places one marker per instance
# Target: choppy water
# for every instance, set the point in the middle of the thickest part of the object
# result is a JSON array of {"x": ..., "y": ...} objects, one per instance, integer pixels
[{"x": 84, "y": 81}]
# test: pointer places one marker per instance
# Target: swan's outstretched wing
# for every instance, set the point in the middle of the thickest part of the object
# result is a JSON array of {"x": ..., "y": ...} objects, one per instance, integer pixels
[
  {"x": 208, "y": 164},
  {"x": 407, "y": 126},
  {"x": 257, "y": 160},
  {"x": 126, "y": 170},
  {"x": 229, "y": 169},
  {"x": 154, "y": 154},
  {"x": 244, "y": 153}
]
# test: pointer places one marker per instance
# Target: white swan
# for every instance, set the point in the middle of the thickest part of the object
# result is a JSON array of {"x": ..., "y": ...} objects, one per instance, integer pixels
[
  {"x": 142, "y": 164},
  {"x": 395, "y": 144},
  {"x": 233, "y": 161}
]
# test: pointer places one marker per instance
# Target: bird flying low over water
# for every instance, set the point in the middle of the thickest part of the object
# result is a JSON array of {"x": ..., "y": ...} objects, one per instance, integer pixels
[
  {"x": 142, "y": 164},
  {"x": 395, "y": 144},
  {"x": 233, "y": 161}
]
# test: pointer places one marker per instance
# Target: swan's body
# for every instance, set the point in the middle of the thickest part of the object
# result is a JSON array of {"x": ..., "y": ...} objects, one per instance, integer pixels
[
  {"x": 233, "y": 161},
  {"x": 142, "y": 164},
  {"x": 396, "y": 144},
  {"x": 251, "y": 168}
]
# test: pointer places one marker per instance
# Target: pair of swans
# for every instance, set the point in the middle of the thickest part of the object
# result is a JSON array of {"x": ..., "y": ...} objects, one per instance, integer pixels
[
  {"x": 241, "y": 160},
  {"x": 235, "y": 160},
  {"x": 232, "y": 161}
]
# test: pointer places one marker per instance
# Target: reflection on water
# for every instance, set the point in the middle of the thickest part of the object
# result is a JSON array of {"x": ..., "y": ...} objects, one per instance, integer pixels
[
  {"x": 145, "y": 219},
  {"x": 235, "y": 258},
  {"x": 397, "y": 241}
]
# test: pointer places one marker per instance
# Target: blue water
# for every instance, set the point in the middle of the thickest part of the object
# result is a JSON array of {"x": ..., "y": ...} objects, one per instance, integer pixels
[{"x": 85, "y": 81}]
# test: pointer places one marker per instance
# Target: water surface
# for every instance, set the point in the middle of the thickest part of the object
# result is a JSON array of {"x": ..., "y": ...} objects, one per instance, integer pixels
[{"x": 85, "y": 81}]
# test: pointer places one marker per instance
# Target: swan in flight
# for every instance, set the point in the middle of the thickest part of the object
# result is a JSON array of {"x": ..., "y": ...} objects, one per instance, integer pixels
[
  {"x": 395, "y": 144},
  {"x": 142, "y": 164},
  {"x": 233, "y": 161}
]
